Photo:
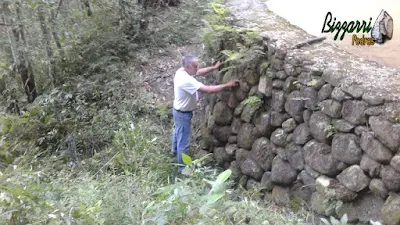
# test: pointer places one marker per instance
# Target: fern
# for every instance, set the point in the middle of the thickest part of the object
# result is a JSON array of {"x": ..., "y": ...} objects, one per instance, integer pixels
[{"x": 254, "y": 102}]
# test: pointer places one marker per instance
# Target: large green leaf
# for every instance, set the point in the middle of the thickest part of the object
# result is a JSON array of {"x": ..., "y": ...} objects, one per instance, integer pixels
[
  {"x": 224, "y": 175},
  {"x": 214, "y": 197},
  {"x": 186, "y": 159}
]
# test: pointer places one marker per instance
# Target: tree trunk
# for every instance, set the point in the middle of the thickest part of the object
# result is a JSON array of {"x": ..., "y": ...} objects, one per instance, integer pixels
[
  {"x": 22, "y": 65},
  {"x": 46, "y": 39},
  {"x": 87, "y": 6}
]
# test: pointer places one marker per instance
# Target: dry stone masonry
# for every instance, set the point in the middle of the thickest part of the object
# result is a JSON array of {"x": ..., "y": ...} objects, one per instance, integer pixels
[{"x": 327, "y": 128}]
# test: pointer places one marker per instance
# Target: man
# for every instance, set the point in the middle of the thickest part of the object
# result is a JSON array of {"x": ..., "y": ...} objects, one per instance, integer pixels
[{"x": 186, "y": 97}]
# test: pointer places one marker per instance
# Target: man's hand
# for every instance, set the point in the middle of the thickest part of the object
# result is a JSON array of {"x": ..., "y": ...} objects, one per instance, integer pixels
[
  {"x": 217, "y": 65},
  {"x": 232, "y": 83}
]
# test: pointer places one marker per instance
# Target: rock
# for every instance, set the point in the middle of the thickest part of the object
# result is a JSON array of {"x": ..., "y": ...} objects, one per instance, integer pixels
[
  {"x": 236, "y": 173},
  {"x": 312, "y": 172},
  {"x": 320, "y": 205},
  {"x": 360, "y": 129},
  {"x": 372, "y": 99},
  {"x": 353, "y": 111},
  {"x": 289, "y": 125},
  {"x": 222, "y": 133},
  {"x": 223, "y": 96},
  {"x": 320, "y": 126},
  {"x": 241, "y": 95},
  {"x": 331, "y": 108},
  {"x": 348, "y": 209},
  {"x": 245, "y": 136},
  {"x": 278, "y": 137},
  {"x": 307, "y": 79},
  {"x": 232, "y": 139},
  {"x": 281, "y": 195},
  {"x": 278, "y": 100},
  {"x": 281, "y": 152},
  {"x": 378, "y": 188},
  {"x": 374, "y": 111},
  {"x": 390, "y": 210},
  {"x": 354, "y": 178},
  {"x": 277, "y": 118},
  {"x": 252, "y": 184},
  {"x": 391, "y": 178},
  {"x": 289, "y": 138},
  {"x": 307, "y": 179},
  {"x": 370, "y": 166},
  {"x": 342, "y": 125},
  {"x": 331, "y": 188},
  {"x": 345, "y": 147},
  {"x": 280, "y": 167},
  {"x": 262, "y": 85},
  {"x": 277, "y": 63},
  {"x": 294, "y": 155},
  {"x": 278, "y": 84},
  {"x": 266, "y": 183},
  {"x": 395, "y": 163},
  {"x": 338, "y": 95},
  {"x": 311, "y": 96},
  {"x": 244, "y": 86},
  {"x": 250, "y": 168},
  {"x": 235, "y": 126},
  {"x": 220, "y": 155},
  {"x": 375, "y": 149},
  {"x": 262, "y": 121},
  {"x": 354, "y": 91},
  {"x": 253, "y": 91},
  {"x": 386, "y": 132},
  {"x": 315, "y": 156},
  {"x": 233, "y": 102},
  {"x": 248, "y": 113},
  {"x": 252, "y": 77},
  {"x": 366, "y": 207},
  {"x": 294, "y": 106},
  {"x": 281, "y": 75},
  {"x": 231, "y": 149},
  {"x": 325, "y": 92},
  {"x": 239, "y": 108},
  {"x": 211, "y": 123},
  {"x": 289, "y": 84},
  {"x": 289, "y": 69},
  {"x": 271, "y": 73},
  {"x": 306, "y": 115},
  {"x": 241, "y": 155},
  {"x": 262, "y": 152}
]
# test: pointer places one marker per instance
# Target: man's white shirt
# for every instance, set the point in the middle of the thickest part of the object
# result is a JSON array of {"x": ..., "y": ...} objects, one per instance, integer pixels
[{"x": 185, "y": 91}]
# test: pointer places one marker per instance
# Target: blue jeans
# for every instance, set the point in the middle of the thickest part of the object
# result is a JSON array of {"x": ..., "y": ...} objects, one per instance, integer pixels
[{"x": 181, "y": 134}]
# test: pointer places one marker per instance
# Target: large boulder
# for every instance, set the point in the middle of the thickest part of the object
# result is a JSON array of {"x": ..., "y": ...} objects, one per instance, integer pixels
[
  {"x": 263, "y": 153},
  {"x": 278, "y": 100},
  {"x": 331, "y": 108},
  {"x": 320, "y": 127},
  {"x": 301, "y": 134},
  {"x": 395, "y": 163},
  {"x": 250, "y": 168},
  {"x": 375, "y": 149},
  {"x": 354, "y": 178},
  {"x": 262, "y": 122},
  {"x": 266, "y": 182},
  {"x": 391, "y": 209},
  {"x": 332, "y": 188},
  {"x": 222, "y": 133},
  {"x": 294, "y": 155},
  {"x": 325, "y": 92},
  {"x": 236, "y": 172},
  {"x": 248, "y": 113},
  {"x": 391, "y": 178},
  {"x": 289, "y": 125},
  {"x": 317, "y": 156},
  {"x": 311, "y": 96},
  {"x": 386, "y": 132},
  {"x": 345, "y": 147},
  {"x": 278, "y": 137},
  {"x": 221, "y": 156},
  {"x": 245, "y": 137},
  {"x": 282, "y": 172},
  {"x": 371, "y": 167},
  {"x": 378, "y": 188},
  {"x": 294, "y": 105},
  {"x": 353, "y": 111},
  {"x": 342, "y": 125}
]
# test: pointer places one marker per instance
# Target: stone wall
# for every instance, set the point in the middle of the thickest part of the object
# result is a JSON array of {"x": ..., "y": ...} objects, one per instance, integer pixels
[{"x": 327, "y": 128}]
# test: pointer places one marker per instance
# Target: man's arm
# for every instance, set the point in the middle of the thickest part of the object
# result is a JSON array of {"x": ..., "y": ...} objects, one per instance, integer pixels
[
  {"x": 206, "y": 70},
  {"x": 217, "y": 88}
]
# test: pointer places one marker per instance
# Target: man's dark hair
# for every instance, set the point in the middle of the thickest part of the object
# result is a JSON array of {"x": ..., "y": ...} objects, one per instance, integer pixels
[{"x": 187, "y": 60}]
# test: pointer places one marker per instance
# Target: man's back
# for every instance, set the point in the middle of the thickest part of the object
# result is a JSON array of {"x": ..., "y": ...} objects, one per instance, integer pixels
[{"x": 185, "y": 91}]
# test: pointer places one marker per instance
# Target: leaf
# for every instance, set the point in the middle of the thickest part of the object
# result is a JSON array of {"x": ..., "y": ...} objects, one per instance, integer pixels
[
  {"x": 325, "y": 221},
  {"x": 334, "y": 221},
  {"x": 186, "y": 159},
  {"x": 214, "y": 197},
  {"x": 344, "y": 219},
  {"x": 224, "y": 175}
]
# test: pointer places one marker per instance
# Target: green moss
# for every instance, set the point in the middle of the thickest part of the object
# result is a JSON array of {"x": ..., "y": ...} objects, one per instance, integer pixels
[{"x": 295, "y": 203}]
